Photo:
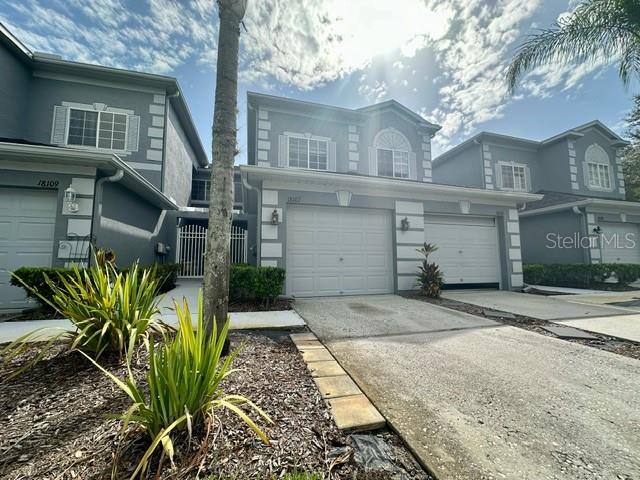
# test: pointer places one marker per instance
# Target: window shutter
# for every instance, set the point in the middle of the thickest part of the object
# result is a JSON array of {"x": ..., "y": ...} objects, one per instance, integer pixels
[
  {"x": 283, "y": 151},
  {"x": 373, "y": 164},
  {"x": 133, "y": 133},
  {"x": 413, "y": 168},
  {"x": 59, "y": 127},
  {"x": 585, "y": 170},
  {"x": 498, "y": 175},
  {"x": 527, "y": 177},
  {"x": 332, "y": 157}
]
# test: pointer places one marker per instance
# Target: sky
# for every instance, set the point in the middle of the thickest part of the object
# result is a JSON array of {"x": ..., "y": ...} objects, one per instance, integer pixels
[{"x": 444, "y": 59}]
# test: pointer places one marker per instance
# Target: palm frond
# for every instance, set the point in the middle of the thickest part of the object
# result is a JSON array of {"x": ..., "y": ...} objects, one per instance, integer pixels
[{"x": 596, "y": 29}]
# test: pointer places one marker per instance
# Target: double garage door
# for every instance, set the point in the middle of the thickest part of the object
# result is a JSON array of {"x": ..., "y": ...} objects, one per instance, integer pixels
[
  {"x": 348, "y": 251},
  {"x": 27, "y": 222}
]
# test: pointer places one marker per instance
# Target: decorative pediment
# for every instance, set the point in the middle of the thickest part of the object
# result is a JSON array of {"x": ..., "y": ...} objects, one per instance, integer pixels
[{"x": 392, "y": 139}]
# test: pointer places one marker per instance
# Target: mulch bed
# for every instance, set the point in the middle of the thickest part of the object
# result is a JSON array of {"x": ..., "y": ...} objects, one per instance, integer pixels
[
  {"x": 54, "y": 423},
  {"x": 627, "y": 348},
  {"x": 277, "y": 305}
]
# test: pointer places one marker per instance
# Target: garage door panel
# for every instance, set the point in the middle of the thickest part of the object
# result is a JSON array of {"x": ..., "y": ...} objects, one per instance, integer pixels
[
  {"x": 27, "y": 224},
  {"x": 620, "y": 243},
  {"x": 361, "y": 238},
  {"x": 35, "y": 231},
  {"x": 467, "y": 248}
]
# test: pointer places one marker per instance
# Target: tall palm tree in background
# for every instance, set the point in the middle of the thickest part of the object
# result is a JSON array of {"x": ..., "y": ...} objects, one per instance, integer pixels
[
  {"x": 595, "y": 29},
  {"x": 216, "y": 271}
]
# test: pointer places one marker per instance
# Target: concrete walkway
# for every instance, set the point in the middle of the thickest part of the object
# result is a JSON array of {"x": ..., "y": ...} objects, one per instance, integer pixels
[
  {"x": 286, "y": 319},
  {"x": 625, "y": 326},
  {"x": 474, "y": 399},
  {"x": 536, "y": 306}
]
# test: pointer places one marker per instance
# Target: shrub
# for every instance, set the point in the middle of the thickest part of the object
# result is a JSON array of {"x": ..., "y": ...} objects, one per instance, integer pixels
[
  {"x": 109, "y": 310},
  {"x": 580, "y": 275},
  {"x": 36, "y": 278},
  {"x": 184, "y": 377},
  {"x": 430, "y": 278},
  {"x": 262, "y": 284}
]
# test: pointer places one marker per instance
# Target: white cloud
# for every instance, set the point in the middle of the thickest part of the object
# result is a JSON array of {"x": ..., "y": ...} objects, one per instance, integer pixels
[{"x": 373, "y": 92}]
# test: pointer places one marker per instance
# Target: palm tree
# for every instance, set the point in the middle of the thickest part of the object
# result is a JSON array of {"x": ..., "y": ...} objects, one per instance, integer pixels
[
  {"x": 595, "y": 29},
  {"x": 216, "y": 272}
]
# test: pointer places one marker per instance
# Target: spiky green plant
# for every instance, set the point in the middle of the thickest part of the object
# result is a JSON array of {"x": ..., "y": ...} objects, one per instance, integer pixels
[
  {"x": 108, "y": 309},
  {"x": 184, "y": 377},
  {"x": 430, "y": 278},
  {"x": 594, "y": 30}
]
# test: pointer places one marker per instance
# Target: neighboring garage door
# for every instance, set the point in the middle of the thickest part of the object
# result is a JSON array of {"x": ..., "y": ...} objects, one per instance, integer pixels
[
  {"x": 338, "y": 251},
  {"x": 467, "y": 248},
  {"x": 620, "y": 243},
  {"x": 27, "y": 222}
]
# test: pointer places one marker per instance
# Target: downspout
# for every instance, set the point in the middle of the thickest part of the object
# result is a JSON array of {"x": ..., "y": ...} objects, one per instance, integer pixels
[
  {"x": 97, "y": 199},
  {"x": 583, "y": 228},
  {"x": 245, "y": 183}
]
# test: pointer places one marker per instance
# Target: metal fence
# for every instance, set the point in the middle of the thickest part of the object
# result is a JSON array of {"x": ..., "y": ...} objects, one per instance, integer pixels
[{"x": 192, "y": 244}]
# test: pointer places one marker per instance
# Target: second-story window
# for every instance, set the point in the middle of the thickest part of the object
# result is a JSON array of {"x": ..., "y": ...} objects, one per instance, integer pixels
[
  {"x": 200, "y": 190},
  {"x": 514, "y": 177},
  {"x": 393, "y": 163},
  {"x": 597, "y": 168},
  {"x": 308, "y": 153},
  {"x": 97, "y": 129}
]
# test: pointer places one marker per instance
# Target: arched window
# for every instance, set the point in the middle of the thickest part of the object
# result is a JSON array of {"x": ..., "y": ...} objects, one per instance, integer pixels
[
  {"x": 392, "y": 152},
  {"x": 597, "y": 168}
]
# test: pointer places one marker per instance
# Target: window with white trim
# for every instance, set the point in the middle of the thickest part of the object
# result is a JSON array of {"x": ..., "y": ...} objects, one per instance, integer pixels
[
  {"x": 91, "y": 128},
  {"x": 393, "y": 163},
  {"x": 308, "y": 153},
  {"x": 598, "y": 171},
  {"x": 200, "y": 189},
  {"x": 514, "y": 177}
]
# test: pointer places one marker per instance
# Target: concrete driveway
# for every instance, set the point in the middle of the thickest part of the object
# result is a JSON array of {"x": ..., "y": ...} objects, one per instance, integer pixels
[
  {"x": 536, "y": 306},
  {"x": 475, "y": 399}
]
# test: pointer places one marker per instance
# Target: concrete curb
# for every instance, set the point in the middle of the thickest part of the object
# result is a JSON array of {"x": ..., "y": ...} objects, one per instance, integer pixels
[{"x": 351, "y": 409}]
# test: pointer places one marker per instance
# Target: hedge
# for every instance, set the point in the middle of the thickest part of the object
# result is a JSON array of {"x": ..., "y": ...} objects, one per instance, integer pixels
[
  {"x": 34, "y": 277},
  {"x": 246, "y": 282},
  {"x": 250, "y": 283},
  {"x": 580, "y": 275}
]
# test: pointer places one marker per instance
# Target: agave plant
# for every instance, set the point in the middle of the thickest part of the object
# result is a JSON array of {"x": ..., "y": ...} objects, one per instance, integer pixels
[
  {"x": 108, "y": 310},
  {"x": 184, "y": 377},
  {"x": 430, "y": 278}
]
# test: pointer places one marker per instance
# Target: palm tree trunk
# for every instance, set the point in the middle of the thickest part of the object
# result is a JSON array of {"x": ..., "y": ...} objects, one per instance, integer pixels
[{"x": 216, "y": 272}]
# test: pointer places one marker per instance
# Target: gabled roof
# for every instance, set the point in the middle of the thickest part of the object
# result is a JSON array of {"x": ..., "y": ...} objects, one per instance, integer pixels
[
  {"x": 55, "y": 64},
  {"x": 358, "y": 113},
  {"x": 393, "y": 104},
  {"x": 575, "y": 132}
]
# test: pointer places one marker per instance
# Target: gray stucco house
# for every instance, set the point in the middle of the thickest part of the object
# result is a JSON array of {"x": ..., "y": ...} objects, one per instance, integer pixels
[
  {"x": 88, "y": 154},
  {"x": 343, "y": 198},
  {"x": 583, "y": 216}
]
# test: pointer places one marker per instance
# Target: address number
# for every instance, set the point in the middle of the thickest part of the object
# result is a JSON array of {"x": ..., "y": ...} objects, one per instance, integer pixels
[{"x": 48, "y": 183}]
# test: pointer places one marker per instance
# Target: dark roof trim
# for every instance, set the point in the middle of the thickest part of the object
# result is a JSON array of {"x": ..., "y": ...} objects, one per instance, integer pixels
[
  {"x": 105, "y": 162},
  {"x": 354, "y": 113},
  {"x": 574, "y": 132}
]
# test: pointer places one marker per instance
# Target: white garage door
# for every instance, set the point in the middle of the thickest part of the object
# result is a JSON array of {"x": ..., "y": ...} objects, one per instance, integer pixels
[
  {"x": 338, "y": 251},
  {"x": 467, "y": 248},
  {"x": 27, "y": 222},
  {"x": 620, "y": 243}
]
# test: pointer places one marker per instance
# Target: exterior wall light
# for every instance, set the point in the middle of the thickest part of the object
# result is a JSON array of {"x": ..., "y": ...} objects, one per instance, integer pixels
[
  {"x": 597, "y": 230},
  {"x": 404, "y": 224},
  {"x": 275, "y": 217},
  {"x": 70, "y": 200}
]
